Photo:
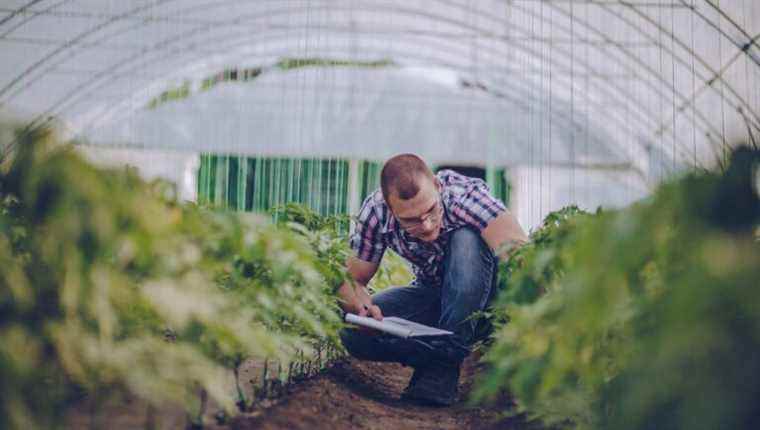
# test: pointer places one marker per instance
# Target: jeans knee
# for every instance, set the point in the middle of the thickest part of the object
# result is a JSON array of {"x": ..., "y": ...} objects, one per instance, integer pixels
[
  {"x": 356, "y": 343},
  {"x": 349, "y": 339},
  {"x": 469, "y": 258}
]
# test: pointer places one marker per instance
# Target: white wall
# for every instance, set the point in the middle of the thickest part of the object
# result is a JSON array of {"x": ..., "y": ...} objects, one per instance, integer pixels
[
  {"x": 181, "y": 168},
  {"x": 536, "y": 191}
]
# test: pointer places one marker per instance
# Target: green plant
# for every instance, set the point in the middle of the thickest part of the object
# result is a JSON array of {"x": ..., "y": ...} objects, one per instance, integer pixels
[
  {"x": 328, "y": 235},
  {"x": 639, "y": 318},
  {"x": 107, "y": 284}
]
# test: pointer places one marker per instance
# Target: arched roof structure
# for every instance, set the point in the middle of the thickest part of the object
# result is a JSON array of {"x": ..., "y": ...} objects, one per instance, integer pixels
[{"x": 649, "y": 86}]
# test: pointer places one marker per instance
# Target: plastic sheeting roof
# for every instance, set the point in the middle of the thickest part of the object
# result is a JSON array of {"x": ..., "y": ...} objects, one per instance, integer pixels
[
  {"x": 643, "y": 84},
  {"x": 293, "y": 114}
]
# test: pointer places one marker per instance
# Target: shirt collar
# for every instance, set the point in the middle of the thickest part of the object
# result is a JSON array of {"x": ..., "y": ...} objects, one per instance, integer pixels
[{"x": 390, "y": 225}]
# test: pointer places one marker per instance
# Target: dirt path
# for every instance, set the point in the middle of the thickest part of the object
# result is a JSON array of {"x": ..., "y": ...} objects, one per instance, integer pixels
[
  {"x": 350, "y": 395},
  {"x": 362, "y": 395}
]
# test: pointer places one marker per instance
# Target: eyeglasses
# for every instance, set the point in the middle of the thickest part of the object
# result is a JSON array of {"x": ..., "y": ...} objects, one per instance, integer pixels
[{"x": 433, "y": 215}]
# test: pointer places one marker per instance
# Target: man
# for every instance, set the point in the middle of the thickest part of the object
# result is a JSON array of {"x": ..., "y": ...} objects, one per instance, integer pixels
[{"x": 447, "y": 226}]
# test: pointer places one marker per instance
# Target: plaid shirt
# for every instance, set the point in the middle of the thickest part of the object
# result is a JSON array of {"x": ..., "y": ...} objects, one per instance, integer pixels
[{"x": 466, "y": 202}]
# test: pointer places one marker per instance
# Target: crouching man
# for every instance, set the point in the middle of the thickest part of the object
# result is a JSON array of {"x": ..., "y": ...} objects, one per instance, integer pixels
[{"x": 447, "y": 226}]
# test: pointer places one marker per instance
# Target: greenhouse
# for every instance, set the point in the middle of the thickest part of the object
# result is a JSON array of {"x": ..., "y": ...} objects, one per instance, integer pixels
[{"x": 182, "y": 185}]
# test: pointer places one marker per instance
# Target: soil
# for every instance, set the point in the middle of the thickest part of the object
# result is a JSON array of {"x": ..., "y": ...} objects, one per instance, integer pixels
[
  {"x": 364, "y": 395},
  {"x": 351, "y": 394}
]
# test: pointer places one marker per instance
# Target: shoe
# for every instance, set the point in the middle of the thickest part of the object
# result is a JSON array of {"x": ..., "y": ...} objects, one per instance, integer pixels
[{"x": 436, "y": 384}]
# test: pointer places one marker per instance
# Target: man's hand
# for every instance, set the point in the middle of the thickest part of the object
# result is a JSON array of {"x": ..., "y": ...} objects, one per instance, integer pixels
[
  {"x": 369, "y": 310},
  {"x": 372, "y": 311},
  {"x": 356, "y": 300},
  {"x": 353, "y": 295}
]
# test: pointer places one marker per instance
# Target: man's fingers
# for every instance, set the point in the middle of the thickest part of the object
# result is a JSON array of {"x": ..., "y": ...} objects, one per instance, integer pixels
[
  {"x": 363, "y": 311},
  {"x": 374, "y": 310}
]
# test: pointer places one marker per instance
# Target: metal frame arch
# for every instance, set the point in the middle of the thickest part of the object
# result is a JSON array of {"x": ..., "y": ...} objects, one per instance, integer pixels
[
  {"x": 165, "y": 42},
  {"x": 62, "y": 48},
  {"x": 462, "y": 69},
  {"x": 436, "y": 18},
  {"x": 717, "y": 74},
  {"x": 710, "y": 130},
  {"x": 552, "y": 61}
]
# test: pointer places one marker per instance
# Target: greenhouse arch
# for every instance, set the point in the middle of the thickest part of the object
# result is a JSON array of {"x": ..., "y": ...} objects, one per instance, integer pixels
[{"x": 585, "y": 93}]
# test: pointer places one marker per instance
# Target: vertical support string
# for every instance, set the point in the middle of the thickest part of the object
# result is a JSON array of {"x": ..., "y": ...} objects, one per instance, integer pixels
[
  {"x": 660, "y": 99},
  {"x": 549, "y": 158},
  {"x": 572, "y": 103},
  {"x": 693, "y": 90},
  {"x": 673, "y": 68},
  {"x": 722, "y": 89},
  {"x": 587, "y": 108}
]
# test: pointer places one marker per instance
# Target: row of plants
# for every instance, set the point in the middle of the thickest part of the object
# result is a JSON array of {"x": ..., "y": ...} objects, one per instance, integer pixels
[
  {"x": 641, "y": 318},
  {"x": 108, "y": 284}
]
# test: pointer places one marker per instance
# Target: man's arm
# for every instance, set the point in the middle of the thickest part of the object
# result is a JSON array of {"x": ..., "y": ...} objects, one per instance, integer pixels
[
  {"x": 504, "y": 234},
  {"x": 353, "y": 295}
]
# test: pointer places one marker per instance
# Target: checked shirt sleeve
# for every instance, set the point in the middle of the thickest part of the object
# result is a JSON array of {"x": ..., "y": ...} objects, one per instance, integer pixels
[
  {"x": 476, "y": 206},
  {"x": 366, "y": 239}
]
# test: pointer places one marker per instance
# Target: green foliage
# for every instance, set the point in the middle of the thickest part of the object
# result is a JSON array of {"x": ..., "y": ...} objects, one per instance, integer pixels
[
  {"x": 297, "y": 63},
  {"x": 234, "y": 74},
  {"x": 325, "y": 234},
  {"x": 172, "y": 94},
  {"x": 184, "y": 91},
  {"x": 108, "y": 284},
  {"x": 394, "y": 271},
  {"x": 328, "y": 236},
  {"x": 532, "y": 268},
  {"x": 641, "y": 318}
]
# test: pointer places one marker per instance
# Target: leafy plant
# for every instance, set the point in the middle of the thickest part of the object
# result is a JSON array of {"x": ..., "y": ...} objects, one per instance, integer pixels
[
  {"x": 107, "y": 284},
  {"x": 640, "y": 318}
]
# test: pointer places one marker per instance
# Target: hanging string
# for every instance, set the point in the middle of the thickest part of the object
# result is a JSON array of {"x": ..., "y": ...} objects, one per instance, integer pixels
[
  {"x": 756, "y": 85},
  {"x": 544, "y": 123},
  {"x": 297, "y": 110},
  {"x": 660, "y": 99},
  {"x": 746, "y": 75},
  {"x": 630, "y": 135},
  {"x": 587, "y": 106},
  {"x": 473, "y": 48},
  {"x": 693, "y": 89},
  {"x": 550, "y": 159},
  {"x": 673, "y": 78},
  {"x": 537, "y": 116},
  {"x": 572, "y": 103},
  {"x": 722, "y": 96}
]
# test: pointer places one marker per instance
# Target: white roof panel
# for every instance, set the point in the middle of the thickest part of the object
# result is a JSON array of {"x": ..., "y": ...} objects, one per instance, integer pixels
[{"x": 623, "y": 80}]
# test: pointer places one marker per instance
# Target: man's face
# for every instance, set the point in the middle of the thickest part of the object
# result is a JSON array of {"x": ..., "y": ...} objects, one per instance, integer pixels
[{"x": 422, "y": 215}]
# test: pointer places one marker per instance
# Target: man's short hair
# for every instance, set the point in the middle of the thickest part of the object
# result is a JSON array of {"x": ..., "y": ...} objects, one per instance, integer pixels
[{"x": 401, "y": 174}]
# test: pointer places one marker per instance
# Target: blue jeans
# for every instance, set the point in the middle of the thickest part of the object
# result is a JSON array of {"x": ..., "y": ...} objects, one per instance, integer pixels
[{"x": 469, "y": 279}]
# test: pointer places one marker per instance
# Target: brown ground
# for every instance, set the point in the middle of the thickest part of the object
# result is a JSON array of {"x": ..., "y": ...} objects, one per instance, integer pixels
[
  {"x": 350, "y": 395},
  {"x": 363, "y": 395}
]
